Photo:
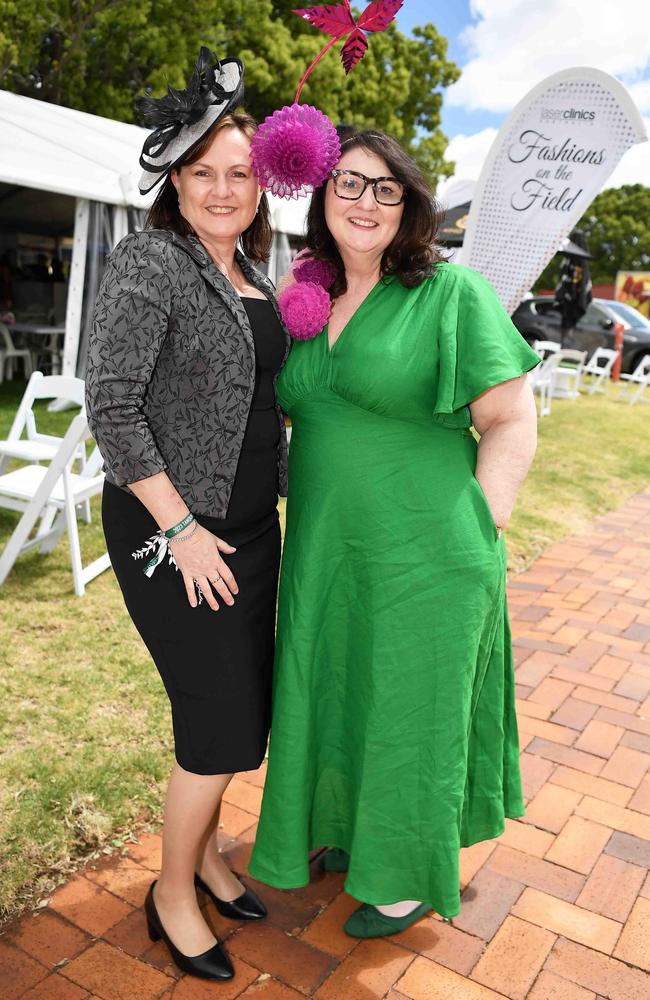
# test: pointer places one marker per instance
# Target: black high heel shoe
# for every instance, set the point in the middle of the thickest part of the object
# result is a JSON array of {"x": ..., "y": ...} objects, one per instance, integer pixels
[
  {"x": 248, "y": 906},
  {"x": 211, "y": 964}
]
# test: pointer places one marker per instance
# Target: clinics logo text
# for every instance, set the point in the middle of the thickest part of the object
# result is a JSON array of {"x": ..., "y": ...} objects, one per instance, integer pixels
[{"x": 554, "y": 114}]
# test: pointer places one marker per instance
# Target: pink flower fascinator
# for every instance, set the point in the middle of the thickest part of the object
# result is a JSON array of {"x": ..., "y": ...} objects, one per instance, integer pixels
[{"x": 295, "y": 148}]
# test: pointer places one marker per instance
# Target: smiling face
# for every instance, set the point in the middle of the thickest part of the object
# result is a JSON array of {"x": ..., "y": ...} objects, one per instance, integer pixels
[
  {"x": 219, "y": 194},
  {"x": 363, "y": 226}
]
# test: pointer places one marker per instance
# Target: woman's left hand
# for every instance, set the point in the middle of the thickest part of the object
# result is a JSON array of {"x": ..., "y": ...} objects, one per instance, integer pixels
[{"x": 199, "y": 560}]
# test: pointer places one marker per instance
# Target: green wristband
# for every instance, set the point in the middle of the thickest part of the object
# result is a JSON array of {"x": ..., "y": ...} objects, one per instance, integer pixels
[{"x": 181, "y": 526}]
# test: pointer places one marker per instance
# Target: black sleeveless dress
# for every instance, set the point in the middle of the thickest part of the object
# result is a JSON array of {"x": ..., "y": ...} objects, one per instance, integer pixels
[{"x": 216, "y": 666}]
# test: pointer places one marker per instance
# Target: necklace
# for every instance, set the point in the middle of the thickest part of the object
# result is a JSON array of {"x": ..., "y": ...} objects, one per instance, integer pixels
[{"x": 240, "y": 286}]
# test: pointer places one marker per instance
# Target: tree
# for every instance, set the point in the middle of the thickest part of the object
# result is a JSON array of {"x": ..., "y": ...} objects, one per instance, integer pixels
[
  {"x": 98, "y": 55},
  {"x": 617, "y": 230}
]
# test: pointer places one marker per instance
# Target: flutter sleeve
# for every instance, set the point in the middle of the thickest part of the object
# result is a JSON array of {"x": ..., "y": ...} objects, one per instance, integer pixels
[
  {"x": 130, "y": 323},
  {"x": 479, "y": 345}
]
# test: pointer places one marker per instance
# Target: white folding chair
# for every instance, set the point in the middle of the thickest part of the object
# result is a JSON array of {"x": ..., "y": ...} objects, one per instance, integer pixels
[
  {"x": 600, "y": 366},
  {"x": 51, "y": 494},
  {"x": 36, "y": 447},
  {"x": 9, "y": 354},
  {"x": 636, "y": 383},
  {"x": 542, "y": 382},
  {"x": 568, "y": 373},
  {"x": 545, "y": 347}
]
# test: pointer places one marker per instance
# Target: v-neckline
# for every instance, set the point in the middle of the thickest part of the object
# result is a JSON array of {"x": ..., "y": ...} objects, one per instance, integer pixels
[{"x": 326, "y": 329}]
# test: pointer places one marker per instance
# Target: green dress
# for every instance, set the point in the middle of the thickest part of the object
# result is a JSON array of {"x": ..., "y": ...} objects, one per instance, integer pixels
[{"x": 394, "y": 734}]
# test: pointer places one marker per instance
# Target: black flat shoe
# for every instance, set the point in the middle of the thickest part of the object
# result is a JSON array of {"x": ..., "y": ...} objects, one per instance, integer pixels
[
  {"x": 212, "y": 964},
  {"x": 248, "y": 906}
]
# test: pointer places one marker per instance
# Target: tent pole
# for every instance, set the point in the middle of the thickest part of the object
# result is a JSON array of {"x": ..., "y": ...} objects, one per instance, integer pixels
[
  {"x": 120, "y": 224},
  {"x": 76, "y": 287}
]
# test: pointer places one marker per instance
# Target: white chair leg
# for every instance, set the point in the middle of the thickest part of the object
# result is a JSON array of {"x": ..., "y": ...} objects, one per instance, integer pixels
[
  {"x": 12, "y": 549},
  {"x": 45, "y": 526},
  {"x": 54, "y": 537},
  {"x": 544, "y": 400},
  {"x": 17, "y": 540},
  {"x": 87, "y": 516},
  {"x": 75, "y": 550},
  {"x": 547, "y": 402}
]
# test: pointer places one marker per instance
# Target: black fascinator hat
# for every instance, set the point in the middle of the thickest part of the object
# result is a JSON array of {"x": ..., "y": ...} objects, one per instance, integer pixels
[{"x": 182, "y": 117}]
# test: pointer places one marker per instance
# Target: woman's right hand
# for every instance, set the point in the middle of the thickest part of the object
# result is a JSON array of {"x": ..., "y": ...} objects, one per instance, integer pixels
[{"x": 199, "y": 559}]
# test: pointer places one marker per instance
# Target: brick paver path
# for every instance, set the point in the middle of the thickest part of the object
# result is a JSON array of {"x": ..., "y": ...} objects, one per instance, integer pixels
[{"x": 557, "y": 909}]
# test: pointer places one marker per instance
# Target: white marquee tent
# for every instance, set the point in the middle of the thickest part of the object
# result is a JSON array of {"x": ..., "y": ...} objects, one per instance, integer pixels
[{"x": 52, "y": 149}]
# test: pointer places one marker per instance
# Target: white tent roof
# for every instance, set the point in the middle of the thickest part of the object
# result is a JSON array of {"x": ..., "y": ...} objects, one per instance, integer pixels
[
  {"x": 56, "y": 149},
  {"x": 289, "y": 215}
]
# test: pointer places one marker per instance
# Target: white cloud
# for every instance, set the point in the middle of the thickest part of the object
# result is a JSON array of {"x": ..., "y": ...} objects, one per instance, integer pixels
[
  {"x": 640, "y": 94},
  {"x": 634, "y": 167},
  {"x": 516, "y": 43},
  {"x": 468, "y": 152}
]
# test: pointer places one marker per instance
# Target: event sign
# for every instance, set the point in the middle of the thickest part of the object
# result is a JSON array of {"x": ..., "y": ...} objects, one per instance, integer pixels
[
  {"x": 549, "y": 160},
  {"x": 633, "y": 288}
]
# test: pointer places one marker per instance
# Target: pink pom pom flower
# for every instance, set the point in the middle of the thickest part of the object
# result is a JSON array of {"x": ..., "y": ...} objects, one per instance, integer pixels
[
  {"x": 308, "y": 268},
  {"x": 294, "y": 150},
  {"x": 305, "y": 308}
]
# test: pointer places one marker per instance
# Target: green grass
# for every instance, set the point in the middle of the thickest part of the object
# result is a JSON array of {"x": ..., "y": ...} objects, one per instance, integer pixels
[
  {"x": 85, "y": 734},
  {"x": 592, "y": 454}
]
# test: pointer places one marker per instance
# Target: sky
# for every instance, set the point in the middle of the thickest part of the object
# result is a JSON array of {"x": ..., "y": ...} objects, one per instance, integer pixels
[{"x": 505, "y": 47}]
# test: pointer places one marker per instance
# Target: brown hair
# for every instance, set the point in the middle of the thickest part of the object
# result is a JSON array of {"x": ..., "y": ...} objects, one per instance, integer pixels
[
  {"x": 413, "y": 251},
  {"x": 165, "y": 213}
]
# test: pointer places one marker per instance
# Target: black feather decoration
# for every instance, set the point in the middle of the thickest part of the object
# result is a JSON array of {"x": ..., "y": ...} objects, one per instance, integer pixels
[{"x": 184, "y": 107}]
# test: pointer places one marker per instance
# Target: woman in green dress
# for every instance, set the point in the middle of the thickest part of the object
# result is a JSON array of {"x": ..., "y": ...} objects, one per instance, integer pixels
[{"x": 394, "y": 737}]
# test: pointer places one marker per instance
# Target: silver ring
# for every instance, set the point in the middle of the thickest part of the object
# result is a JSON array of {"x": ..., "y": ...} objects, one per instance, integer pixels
[{"x": 218, "y": 580}]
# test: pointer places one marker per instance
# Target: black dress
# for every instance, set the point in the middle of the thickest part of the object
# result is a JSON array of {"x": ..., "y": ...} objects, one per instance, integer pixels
[{"x": 216, "y": 666}]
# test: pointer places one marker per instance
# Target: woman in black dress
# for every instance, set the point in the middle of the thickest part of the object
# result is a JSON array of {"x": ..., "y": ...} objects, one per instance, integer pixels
[{"x": 186, "y": 345}]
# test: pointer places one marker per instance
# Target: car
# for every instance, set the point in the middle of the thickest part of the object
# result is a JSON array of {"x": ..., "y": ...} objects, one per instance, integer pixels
[{"x": 538, "y": 318}]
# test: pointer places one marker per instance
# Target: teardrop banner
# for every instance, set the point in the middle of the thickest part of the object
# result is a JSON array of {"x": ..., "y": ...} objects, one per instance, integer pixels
[{"x": 550, "y": 159}]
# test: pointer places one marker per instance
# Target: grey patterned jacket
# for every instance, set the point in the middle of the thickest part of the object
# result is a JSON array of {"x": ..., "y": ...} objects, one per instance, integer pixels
[{"x": 171, "y": 369}]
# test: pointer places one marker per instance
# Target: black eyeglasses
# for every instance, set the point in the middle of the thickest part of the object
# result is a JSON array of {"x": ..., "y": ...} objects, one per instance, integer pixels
[{"x": 350, "y": 184}]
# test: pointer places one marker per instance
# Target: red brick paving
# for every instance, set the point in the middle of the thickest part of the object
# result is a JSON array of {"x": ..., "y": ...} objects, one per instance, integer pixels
[
  {"x": 558, "y": 908},
  {"x": 56, "y": 988}
]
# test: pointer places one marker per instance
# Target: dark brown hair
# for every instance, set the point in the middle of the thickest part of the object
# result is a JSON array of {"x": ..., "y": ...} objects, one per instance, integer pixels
[
  {"x": 165, "y": 213},
  {"x": 413, "y": 252}
]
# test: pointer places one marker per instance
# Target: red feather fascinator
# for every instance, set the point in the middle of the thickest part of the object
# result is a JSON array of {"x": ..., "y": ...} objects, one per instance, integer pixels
[{"x": 337, "y": 20}]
